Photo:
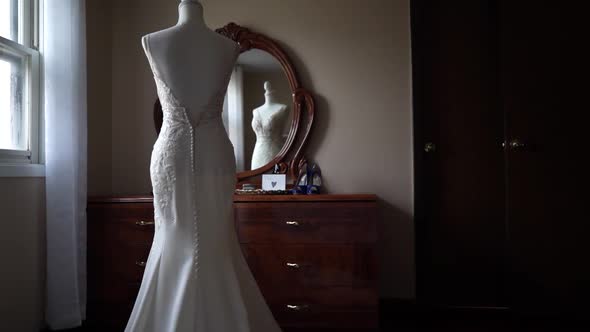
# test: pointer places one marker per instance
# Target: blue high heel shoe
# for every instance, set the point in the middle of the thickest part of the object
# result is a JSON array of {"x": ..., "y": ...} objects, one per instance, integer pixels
[
  {"x": 314, "y": 180},
  {"x": 300, "y": 186}
]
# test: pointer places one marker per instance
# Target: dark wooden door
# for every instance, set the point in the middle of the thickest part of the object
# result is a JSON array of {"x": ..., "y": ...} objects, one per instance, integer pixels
[
  {"x": 460, "y": 189},
  {"x": 546, "y": 224},
  {"x": 498, "y": 226}
]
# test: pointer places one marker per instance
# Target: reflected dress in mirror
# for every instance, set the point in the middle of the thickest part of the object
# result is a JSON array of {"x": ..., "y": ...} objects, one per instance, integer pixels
[{"x": 268, "y": 122}]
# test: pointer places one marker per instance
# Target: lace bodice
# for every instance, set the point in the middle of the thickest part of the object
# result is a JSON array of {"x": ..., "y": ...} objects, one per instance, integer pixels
[
  {"x": 269, "y": 140},
  {"x": 270, "y": 127}
]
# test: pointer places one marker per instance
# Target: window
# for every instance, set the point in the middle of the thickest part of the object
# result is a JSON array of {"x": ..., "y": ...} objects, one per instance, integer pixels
[{"x": 19, "y": 83}]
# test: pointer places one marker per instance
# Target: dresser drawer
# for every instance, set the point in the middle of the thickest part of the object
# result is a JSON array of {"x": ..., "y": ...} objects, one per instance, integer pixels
[
  {"x": 318, "y": 320},
  {"x": 306, "y": 222},
  {"x": 126, "y": 263},
  {"x": 326, "y": 307},
  {"x": 119, "y": 239},
  {"x": 116, "y": 224},
  {"x": 107, "y": 316},
  {"x": 121, "y": 210},
  {"x": 276, "y": 266},
  {"x": 337, "y": 299},
  {"x": 111, "y": 290},
  {"x": 130, "y": 231}
]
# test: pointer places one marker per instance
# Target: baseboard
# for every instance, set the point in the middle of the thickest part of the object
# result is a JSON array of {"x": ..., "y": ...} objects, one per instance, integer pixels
[
  {"x": 395, "y": 305},
  {"x": 408, "y": 310},
  {"x": 77, "y": 329}
]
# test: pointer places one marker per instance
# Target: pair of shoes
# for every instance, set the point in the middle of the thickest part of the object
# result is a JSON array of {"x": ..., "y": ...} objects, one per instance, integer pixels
[{"x": 309, "y": 180}]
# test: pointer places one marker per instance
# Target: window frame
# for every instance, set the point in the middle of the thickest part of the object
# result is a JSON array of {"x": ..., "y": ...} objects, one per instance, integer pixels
[{"x": 27, "y": 162}]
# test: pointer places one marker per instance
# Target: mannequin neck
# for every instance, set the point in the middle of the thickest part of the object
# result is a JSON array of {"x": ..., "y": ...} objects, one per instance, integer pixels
[
  {"x": 190, "y": 12},
  {"x": 269, "y": 98}
]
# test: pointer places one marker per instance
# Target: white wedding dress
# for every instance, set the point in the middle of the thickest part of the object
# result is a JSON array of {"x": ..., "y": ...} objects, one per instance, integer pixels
[
  {"x": 196, "y": 278},
  {"x": 269, "y": 139}
]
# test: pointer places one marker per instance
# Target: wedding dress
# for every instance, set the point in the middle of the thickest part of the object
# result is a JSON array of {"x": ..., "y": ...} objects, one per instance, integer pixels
[
  {"x": 196, "y": 278},
  {"x": 269, "y": 139}
]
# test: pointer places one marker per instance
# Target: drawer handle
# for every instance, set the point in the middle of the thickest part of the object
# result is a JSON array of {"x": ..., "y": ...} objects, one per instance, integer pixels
[
  {"x": 292, "y": 223},
  {"x": 297, "y": 307},
  {"x": 141, "y": 264},
  {"x": 293, "y": 265},
  {"x": 144, "y": 223}
]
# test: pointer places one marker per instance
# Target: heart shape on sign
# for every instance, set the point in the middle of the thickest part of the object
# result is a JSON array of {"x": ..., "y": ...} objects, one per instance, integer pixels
[{"x": 274, "y": 183}]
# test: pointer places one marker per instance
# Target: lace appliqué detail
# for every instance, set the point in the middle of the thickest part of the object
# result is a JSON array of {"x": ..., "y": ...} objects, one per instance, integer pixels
[
  {"x": 169, "y": 151},
  {"x": 170, "y": 145}
]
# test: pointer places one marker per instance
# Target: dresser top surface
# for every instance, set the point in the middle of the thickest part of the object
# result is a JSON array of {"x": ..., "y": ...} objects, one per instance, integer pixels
[
  {"x": 304, "y": 198},
  {"x": 247, "y": 198}
]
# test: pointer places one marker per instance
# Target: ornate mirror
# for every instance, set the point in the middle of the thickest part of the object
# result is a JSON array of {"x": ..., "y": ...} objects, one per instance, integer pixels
[{"x": 267, "y": 113}]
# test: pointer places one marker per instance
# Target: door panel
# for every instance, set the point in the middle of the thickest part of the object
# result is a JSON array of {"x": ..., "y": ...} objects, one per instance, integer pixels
[
  {"x": 498, "y": 227},
  {"x": 547, "y": 228},
  {"x": 460, "y": 215}
]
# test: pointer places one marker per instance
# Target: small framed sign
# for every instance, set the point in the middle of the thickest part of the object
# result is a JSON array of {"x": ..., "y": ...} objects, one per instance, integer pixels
[{"x": 274, "y": 181}]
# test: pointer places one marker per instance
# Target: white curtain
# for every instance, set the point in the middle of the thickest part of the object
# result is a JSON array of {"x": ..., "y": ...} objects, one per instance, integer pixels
[
  {"x": 235, "y": 116},
  {"x": 64, "y": 56}
]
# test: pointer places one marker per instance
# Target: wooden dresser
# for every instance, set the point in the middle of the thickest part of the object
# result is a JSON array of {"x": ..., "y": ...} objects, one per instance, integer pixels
[{"x": 314, "y": 257}]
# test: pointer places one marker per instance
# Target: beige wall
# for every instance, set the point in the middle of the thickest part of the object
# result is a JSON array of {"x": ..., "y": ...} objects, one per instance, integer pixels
[
  {"x": 355, "y": 55},
  {"x": 22, "y": 253},
  {"x": 99, "y": 57}
]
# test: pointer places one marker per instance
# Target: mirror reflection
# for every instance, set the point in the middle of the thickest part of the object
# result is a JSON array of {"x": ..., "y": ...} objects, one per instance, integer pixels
[{"x": 257, "y": 110}]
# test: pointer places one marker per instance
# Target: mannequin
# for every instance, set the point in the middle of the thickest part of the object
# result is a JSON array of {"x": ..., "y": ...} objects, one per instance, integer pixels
[
  {"x": 267, "y": 123},
  {"x": 196, "y": 278}
]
